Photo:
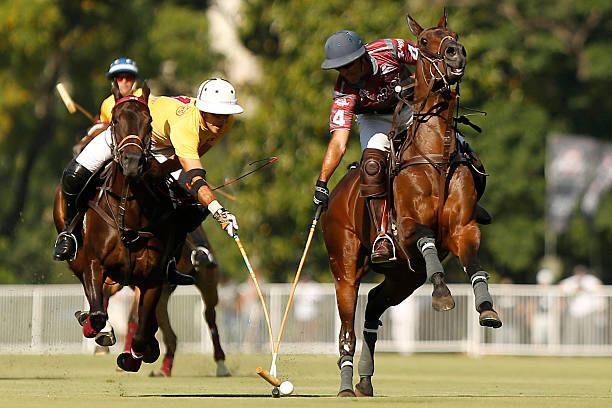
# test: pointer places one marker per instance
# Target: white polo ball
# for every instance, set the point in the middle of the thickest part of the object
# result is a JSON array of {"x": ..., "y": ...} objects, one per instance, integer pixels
[{"x": 286, "y": 388}]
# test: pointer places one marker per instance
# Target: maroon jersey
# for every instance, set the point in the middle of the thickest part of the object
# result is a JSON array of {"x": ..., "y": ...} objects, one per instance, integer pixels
[{"x": 377, "y": 94}]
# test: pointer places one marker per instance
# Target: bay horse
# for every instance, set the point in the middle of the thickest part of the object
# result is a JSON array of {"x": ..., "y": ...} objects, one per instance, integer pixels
[
  {"x": 433, "y": 198},
  {"x": 126, "y": 234},
  {"x": 198, "y": 261}
]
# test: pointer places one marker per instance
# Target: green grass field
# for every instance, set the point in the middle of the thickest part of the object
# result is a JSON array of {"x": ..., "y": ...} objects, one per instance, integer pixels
[{"x": 421, "y": 380}]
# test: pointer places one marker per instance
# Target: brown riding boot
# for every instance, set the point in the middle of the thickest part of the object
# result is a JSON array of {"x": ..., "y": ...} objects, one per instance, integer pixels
[{"x": 374, "y": 188}]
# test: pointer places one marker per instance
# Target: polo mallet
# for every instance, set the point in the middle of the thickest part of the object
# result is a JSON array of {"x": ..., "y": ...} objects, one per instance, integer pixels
[
  {"x": 71, "y": 105},
  {"x": 261, "y": 298},
  {"x": 271, "y": 376}
]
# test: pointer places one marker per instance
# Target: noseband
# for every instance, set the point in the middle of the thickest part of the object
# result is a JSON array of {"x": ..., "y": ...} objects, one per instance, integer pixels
[{"x": 434, "y": 60}]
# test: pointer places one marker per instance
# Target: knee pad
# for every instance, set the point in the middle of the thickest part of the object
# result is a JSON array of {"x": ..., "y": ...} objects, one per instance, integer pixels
[
  {"x": 74, "y": 178},
  {"x": 373, "y": 174}
]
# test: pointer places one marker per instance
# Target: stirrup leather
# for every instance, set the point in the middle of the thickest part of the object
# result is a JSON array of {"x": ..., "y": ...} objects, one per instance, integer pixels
[
  {"x": 69, "y": 236},
  {"x": 381, "y": 237}
]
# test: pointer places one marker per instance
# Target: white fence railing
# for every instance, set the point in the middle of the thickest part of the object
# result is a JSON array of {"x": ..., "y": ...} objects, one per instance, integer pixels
[{"x": 537, "y": 321}]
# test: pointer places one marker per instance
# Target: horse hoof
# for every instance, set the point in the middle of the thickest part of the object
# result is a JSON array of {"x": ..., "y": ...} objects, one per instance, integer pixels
[
  {"x": 126, "y": 362},
  {"x": 101, "y": 351},
  {"x": 158, "y": 373},
  {"x": 81, "y": 316},
  {"x": 151, "y": 352},
  {"x": 441, "y": 298},
  {"x": 222, "y": 370},
  {"x": 106, "y": 338},
  {"x": 346, "y": 393},
  {"x": 364, "y": 387},
  {"x": 489, "y": 318},
  {"x": 98, "y": 321},
  {"x": 442, "y": 304}
]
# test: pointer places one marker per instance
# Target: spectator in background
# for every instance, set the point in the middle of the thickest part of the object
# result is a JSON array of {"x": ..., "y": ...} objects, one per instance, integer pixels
[
  {"x": 584, "y": 317},
  {"x": 540, "y": 318},
  {"x": 306, "y": 308}
]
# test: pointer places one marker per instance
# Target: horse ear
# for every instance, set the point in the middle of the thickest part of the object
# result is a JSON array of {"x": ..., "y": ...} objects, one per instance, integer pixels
[
  {"x": 415, "y": 28},
  {"x": 115, "y": 90},
  {"x": 146, "y": 91},
  {"x": 444, "y": 20}
]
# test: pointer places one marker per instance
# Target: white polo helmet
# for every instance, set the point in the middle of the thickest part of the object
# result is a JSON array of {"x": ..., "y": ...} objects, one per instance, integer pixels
[{"x": 217, "y": 96}]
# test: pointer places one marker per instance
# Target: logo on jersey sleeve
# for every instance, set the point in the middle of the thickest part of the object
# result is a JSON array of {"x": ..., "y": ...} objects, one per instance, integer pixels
[
  {"x": 181, "y": 110},
  {"x": 342, "y": 102}
]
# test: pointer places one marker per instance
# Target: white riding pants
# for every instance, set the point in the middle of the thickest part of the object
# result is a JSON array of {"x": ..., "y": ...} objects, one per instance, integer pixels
[
  {"x": 98, "y": 151},
  {"x": 374, "y": 128}
]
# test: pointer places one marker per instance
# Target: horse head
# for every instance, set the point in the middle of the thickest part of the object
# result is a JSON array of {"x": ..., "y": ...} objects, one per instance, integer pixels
[
  {"x": 131, "y": 131},
  {"x": 442, "y": 58}
]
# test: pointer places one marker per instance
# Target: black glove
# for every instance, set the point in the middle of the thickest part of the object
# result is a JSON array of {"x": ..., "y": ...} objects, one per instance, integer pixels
[{"x": 321, "y": 195}]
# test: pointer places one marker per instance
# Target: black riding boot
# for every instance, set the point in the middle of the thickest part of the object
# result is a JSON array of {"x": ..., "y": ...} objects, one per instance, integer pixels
[
  {"x": 374, "y": 188},
  {"x": 74, "y": 179},
  {"x": 177, "y": 278}
]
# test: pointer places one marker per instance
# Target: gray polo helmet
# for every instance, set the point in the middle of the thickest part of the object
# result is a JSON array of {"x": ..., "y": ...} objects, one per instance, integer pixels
[{"x": 341, "y": 48}]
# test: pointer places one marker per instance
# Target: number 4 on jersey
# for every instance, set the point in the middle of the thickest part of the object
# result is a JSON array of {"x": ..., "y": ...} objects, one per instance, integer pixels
[{"x": 338, "y": 118}]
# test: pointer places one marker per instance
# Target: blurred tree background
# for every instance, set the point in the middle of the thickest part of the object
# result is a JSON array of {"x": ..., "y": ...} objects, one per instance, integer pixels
[{"x": 535, "y": 67}]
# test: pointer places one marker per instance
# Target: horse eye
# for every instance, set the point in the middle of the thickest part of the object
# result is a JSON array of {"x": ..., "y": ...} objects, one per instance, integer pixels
[{"x": 424, "y": 42}]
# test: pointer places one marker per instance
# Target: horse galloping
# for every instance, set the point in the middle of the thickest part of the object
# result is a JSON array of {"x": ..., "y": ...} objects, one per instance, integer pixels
[
  {"x": 199, "y": 260},
  {"x": 125, "y": 234},
  {"x": 433, "y": 196}
]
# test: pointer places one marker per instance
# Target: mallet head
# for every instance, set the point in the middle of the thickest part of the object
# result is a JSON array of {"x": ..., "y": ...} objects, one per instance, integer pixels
[{"x": 276, "y": 392}]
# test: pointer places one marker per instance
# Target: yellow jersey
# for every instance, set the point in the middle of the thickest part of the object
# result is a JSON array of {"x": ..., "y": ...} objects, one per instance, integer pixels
[
  {"x": 178, "y": 123},
  {"x": 108, "y": 104}
]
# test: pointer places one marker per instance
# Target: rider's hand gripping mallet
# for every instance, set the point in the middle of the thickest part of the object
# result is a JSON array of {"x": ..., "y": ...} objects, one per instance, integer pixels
[{"x": 71, "y": 105}]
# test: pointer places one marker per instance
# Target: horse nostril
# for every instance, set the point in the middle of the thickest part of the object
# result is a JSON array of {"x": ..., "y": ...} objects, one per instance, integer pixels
[{"x": 450, "y": 51}]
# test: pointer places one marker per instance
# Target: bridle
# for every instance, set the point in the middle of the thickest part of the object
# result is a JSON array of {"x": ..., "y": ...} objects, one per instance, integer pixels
[
  {"x": 435, "y": 59},
  {"x": 130, "y": 140}
]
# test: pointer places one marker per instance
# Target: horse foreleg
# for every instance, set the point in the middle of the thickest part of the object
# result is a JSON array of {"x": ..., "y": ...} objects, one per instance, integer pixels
[
  {"x": 93, "y": 278},
  {"x": 207, "y": 284},
  {"x": 169, "y": 337},
  {"x": 132, "y": 321},
  {"x": 441, "y": 298},
  {"x": 144, "y": 345},
  {"x": 466, "y": 245}
]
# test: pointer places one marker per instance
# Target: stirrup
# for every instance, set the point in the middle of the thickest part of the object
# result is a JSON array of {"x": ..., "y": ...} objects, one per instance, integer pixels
[
  {"x": 381, "y": 237},
  {"x": 209, "y": 255},
  {"x": 68, "y": 236}
]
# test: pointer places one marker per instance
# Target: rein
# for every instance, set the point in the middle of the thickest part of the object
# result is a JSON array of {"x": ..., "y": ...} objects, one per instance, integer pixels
[{"x": 440, "y": 162}]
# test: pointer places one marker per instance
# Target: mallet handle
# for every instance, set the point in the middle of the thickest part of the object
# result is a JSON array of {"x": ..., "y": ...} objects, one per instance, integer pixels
[{"x": 268, "y": 377}]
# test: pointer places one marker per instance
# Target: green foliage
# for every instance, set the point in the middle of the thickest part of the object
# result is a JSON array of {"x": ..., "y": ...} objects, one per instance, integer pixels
[{"x": 534, "y": 67}]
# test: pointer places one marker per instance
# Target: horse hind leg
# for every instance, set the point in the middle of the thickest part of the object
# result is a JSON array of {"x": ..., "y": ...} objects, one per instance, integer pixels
[
  {"x": 441, "y": 298},
  {"x": 207, "y": 284},
  {"x": 483, "y": 300}
]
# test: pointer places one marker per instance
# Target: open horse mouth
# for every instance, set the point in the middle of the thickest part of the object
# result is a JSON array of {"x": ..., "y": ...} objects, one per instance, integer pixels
[{"x": 454, "y": 74}]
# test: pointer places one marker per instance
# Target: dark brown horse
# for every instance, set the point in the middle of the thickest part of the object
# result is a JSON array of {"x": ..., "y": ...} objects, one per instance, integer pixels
[
  {"x": 123, "y": 235},
  {"x": 199, "y": 261},
  {"x": 433, "y": 196}
]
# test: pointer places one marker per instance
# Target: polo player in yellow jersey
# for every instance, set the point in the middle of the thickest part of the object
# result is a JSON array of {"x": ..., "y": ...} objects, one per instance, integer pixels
[
  {"x": 125, "y": 71},
  {"x": 184, "y": 129}
]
